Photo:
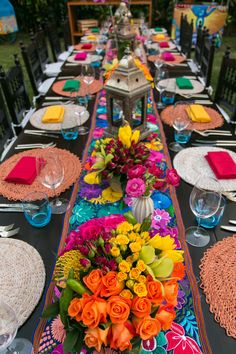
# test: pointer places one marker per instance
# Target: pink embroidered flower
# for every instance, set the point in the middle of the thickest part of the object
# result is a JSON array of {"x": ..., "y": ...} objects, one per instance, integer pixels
[
  {"x": 172, "y": 177},
  {"x": 135, "y": 187},
  {"x": 179, "y": 343},
  {"x": 151, "y": 118},
  {"x": 160, "y": 218},
  {"x": 136, "y": 171},
  {"x": 98, "y": 133}
]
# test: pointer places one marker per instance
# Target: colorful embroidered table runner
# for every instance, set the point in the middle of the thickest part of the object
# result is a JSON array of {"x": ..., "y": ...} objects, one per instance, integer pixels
[{"x": 187, "y": 333}]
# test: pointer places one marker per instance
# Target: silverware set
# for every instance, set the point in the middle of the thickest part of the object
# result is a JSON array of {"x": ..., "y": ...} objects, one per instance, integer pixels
[
  {"x": 214, "y": 143},
  {"x": 7, "y": 231},
  {"x": 229, "y": 228},
  {"x": 34, "y": 146},
  {"x": 209, "y": 132}
]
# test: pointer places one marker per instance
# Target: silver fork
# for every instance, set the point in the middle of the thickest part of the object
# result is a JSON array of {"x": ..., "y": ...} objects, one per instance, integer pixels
[
  {"x": 6, "y": 228},
  {"x": 34, "y": 146},
  {"x": 212, "y": 132},
  {"x": 230, "y": 195},
  {"x": 9, "y": 233}
]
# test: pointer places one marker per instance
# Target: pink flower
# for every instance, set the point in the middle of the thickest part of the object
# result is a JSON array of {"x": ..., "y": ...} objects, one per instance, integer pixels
[
  {"x": 155, "y": 171},
  {"x": 136, "y": 171},
  {"x": 110, "y": 222},
  {"x": 85, "y": 262},
  {"x": 160, "y": 218},
  {"x": 135, "y": 187},
  {"x": 172, "y": 177},
  {"x": 98, "y": 133},
  {"x": 151, "y": 118},
  {"x": 58, "y": 350},
  {"x": 179, "y": 343},
  {"x": 89, "y": 231},
  {"x": 155, "y": 156}
]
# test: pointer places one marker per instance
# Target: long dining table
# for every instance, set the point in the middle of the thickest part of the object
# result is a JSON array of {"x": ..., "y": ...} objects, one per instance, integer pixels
[{"x": 46, "y": 240}]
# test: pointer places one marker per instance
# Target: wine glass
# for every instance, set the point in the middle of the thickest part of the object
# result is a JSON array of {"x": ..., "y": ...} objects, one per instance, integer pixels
[
  {"x": 161, "y": 83},
  {"x": 88, "y": 76},
  {"x": 182, "y": 136},
  {"x": 204, "y": 204},
  {"x": 8, "y": 329},
  {"x": 51, "y": 174},
  {"x": 82, "y": 101},
  {"x": 158, "y": 62},
  {"x": 99, "y": 47}
]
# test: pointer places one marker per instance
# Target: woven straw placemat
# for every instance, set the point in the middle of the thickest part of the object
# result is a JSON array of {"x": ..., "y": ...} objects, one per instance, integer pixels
[
  {"x": 169, "y": 114},
  {"x": 13, "y": 191},
  {"x": 190, "y": 164},
  {"x": 90, "y": 58},
  {"x": 218, "y": 276},
  {"x": 70, "y": 112},
  {"x": 95, "y": 86},
  {"x": 178, "y": 59},
  {"x": 22, "y": 277}
]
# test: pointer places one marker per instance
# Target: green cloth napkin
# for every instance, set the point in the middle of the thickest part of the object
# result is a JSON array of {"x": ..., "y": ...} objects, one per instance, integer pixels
[
  {"x": 158, "y": 29},
  {"x": 95, "y": 30},
  {"x": 184, "y": 83},
  {"x": 71, "y": 85}
]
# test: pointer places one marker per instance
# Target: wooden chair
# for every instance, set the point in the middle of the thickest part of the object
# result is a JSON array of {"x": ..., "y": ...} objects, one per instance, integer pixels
[
  {"x": 207, "y": 58},
  {"x": 198, "y": 45},
  {"x": 186, "y": 34},
  {"x": 7, "y": 134},
  {"x": 66, "y": 34},
  {"x": 55, "y": 45},
  {"x": 225, "y": 95},
  {"x": 16, "y": 97}
]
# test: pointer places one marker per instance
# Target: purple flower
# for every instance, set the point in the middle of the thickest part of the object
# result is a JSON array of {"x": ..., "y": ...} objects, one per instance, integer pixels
[
  {"x": 135, "y": 187},
  {"x": 58, "y": 350},
  {"x": 180, "y": 299},
  {"x": 89, "y": 191},
  {"x": 160, "y": 218}
]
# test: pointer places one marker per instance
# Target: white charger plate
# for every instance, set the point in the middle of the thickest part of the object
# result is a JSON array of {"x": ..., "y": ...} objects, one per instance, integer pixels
[
  {"x": 90, "y": 58},
  {"x": 197, "y": 86}
]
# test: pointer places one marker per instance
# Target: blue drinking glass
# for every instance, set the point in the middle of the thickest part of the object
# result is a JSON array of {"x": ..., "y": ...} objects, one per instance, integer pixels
[
  {"x": 212, "y": 221},
  {"x": 69, "y": 129},
  {"x": 37, "y": 212},
  {"x": 182, "y": 136}
]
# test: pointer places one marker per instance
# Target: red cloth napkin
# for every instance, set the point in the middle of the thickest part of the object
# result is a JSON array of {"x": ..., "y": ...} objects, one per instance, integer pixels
[
  {"x": 24, "y": 172},
  {"x": 87, "y": 46},
  {"x": 164, "y": 45},
  {"x": 81, "y": 56},
  {"x": 168, "y": 56},
  {"x": 222, "y": 164}
]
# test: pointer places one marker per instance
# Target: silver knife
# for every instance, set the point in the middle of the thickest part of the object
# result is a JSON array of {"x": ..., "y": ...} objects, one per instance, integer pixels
[
  {"x": 215, "y": 141},
  {"x": 229, "y": 228},
  {"x": 18, "y": 205},
  {"x": 215, "y": 144},
  {"x": 232, "y": 222},
  {"x": 17, "y": 210},
  {"x": 42, "y": 134},
  {"x": 53, "y": 98}
]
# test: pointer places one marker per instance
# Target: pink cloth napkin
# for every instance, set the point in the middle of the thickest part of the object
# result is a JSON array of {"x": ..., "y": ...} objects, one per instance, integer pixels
[
  {"x": 25, "y": 171},
  {"x": 87, "y": 46},
  {"x": 168, "y": 56},
  {"x": 221, "y": 164},
  {"x": 164, "y": 45},
  {"x": 81, "y": 56}
]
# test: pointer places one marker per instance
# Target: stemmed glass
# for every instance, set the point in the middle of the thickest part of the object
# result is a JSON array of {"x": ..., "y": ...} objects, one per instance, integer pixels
[
  {"x": 180, "y": 124},
  {"x": 203, "y": 204},
  {"x": 82, "y": 101},
  {"x": 161, "y": 81},
  {"x": 99, "y": 47},
  {"x": 88, "y": 76},
  {"x": 158, "y": 62},
  {"x": 51, "y": 174},
  {"x": 8, "y": 329}
]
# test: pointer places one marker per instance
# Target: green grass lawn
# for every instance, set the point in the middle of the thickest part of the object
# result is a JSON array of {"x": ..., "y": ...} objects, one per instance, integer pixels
[{"x": 7, "y": 52}]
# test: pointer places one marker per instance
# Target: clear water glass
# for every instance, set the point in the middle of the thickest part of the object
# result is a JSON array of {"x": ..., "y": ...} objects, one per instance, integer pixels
[
  {"x": 99, "y": 47},
  {"x": 182, "y": 134},
  {"x": 161, "y": 84},
  {"x": 82, "y": 101},
  {"x": 88, "y": 76},
  {"x": 37, "y": 212}
]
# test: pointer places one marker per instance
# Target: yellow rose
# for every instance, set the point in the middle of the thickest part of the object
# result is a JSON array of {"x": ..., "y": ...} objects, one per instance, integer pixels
[
  {"x": 124, "y": 227},
  {"x": 115, "y": 251},
  {"x": 126, "y": 294},
  {"x": 130, "y": 284},
  {"x": 142, "y": 279},
  {"x": 129, "y": 259},
  {"x": 135, "y": 247},
  {"x": 145, "y": 235},
  {"x": 122, "y": 239},
  {"x": 132, "y": 236},
  {"x": 134, "y": 273},
  {"x": 137, "y": 227},
  {"x": 122, "y": 276},
  {"x": 135, "y": 256},
  {"x": 141, "y": 265},
  {"x": 140, "y": 289},
  {"x": 124, "y": 267}
]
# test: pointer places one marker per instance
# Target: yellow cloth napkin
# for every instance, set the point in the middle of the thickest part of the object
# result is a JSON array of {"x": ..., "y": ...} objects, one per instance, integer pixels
[
  {"x": 92, "y": 38},
  {"x": 159, "y": 36},
  {"x": 54, "y": 114},
  {"x": 197, "y": 113}
]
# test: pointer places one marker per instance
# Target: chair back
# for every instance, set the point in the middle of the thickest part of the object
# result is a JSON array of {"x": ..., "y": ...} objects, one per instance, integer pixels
[
  {"x": 207, "y": 58},
  {"x": 186, "y": 34},
  {"x": 16, "y": 97},
  {"x": 33, "y": 65},
  {"x": 226, "y": 86},
  {"x": 66, "y": 34},
  {"x": 54, "y": 40},
  {"x": 6, "y": 131},
  {"x": 40, "y": 42}
]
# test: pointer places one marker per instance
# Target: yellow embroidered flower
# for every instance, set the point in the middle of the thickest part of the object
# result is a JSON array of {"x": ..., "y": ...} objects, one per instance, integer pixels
[
  {"x": 122, "y": 239},
  {"x": 126, "y": 294},
  {"x": 124, "y": 266},
  {"x": 124, "y": 227},
  {"x": 122, "y": 276},
  {"x": 134, "y": 273},
  {"x": 130, "y": 284},
  {"x": 142, "y": 279},
  {"x": 175, "y": 255},
  {"x": 92, "y": 178},
  {"x": 110, "y": 195},
  {"x": 140, "y": 289},
  {"x": 141, "y": 265},
  {"x": 135, "y": 246},
  {"x": 162, "y": 243},
  {"x": 137, "y": 227},
  {"x": 115, "y": 251}
]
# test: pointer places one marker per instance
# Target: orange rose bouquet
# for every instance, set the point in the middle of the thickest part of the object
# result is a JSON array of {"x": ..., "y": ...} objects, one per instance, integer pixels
[{"x": 119, "y": 284}]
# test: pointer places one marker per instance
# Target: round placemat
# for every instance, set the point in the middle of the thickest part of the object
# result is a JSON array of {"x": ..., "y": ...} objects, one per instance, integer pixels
[
  {"x": 79, "y": 47},
  {"x": 218, "y": 276},
  {"x": 178, "y": 59},
  {"x": 190, "y": 164},
  {"x": 197, "y": 85},
  {"x": 156, "y": 46},
  {"x": 90, "y": 59},
  {"x": 13, "y": 191},
  {"x": 95, "y": 86},
  {"x": 70, "y": 109},
  {"x": 22, "y": 277},
  {"x": 154, "y": 39},
  {"x": 169, "y": 114}
]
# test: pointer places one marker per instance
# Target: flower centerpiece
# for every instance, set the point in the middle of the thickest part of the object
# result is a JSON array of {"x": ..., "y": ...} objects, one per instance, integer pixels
[{"x": 118, "y": 284}]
